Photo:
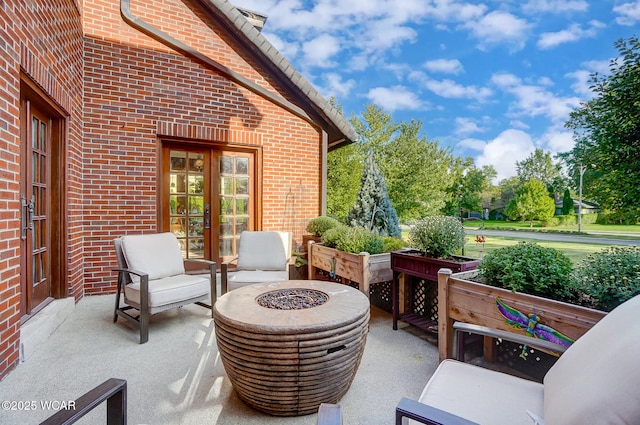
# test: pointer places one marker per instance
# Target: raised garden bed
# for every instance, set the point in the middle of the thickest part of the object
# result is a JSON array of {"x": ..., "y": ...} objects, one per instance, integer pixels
[
  {"x": 460, "y": 299},
  {"x": 348, "y": 268}
]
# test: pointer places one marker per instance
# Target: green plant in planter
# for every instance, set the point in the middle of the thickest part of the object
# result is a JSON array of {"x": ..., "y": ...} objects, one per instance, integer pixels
[
  {"x": 530, "y": 268},
  {"x": 353, "y": 239},
  {"x": 438, "y": 236},
  {"x": 319, "y": 225},
  {"x": 609, "y": 277}
]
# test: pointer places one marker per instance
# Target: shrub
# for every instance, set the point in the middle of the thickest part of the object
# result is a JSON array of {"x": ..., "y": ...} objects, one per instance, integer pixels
[
  {"x": 353, "y": 239},
  {"x": 317, "y": 226},
  {"x": 530, "y": 268},
  {"x": 609, "y": 277},
  {"x": 438, "y": 236},
  {"x": 392, "y": 244},
  {"x": 551, "y": 222},
  {"x": 628, "y": 216}
]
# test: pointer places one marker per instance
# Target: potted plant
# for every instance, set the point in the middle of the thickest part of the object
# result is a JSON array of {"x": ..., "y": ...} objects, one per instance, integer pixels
[
  {"x": 437, "y": 240},
  {"x": 352, "y": 254}
]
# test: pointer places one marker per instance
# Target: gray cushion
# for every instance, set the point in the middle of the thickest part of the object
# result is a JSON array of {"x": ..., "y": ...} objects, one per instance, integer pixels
[
  {"x": 597, "y": 380},
  {"x": 263, "y": 251},
  {"x": 482, "y": 395},
  {"x": 169, "y": 290},
  {"x": 158, "y": 255}
]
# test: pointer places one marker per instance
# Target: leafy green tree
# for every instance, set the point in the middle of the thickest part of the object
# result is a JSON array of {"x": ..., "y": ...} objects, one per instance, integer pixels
[
  {"x": 344, "y": 168},
  {"x": 607, "y": 133},
  {"x": 373, "y": 209},
  {"x": 417, "y": 171},
  {"x": 567, "y": 203},
  {"x": 532, "y": 202},
  {"x": 470, "y": 186},
  {"x": 503, "y": 193},
  {"x": 540, "y": 165}
]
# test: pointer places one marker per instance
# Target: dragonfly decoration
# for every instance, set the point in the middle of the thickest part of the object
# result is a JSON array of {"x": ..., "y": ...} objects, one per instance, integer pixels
[{"x": 531, "y": 325}]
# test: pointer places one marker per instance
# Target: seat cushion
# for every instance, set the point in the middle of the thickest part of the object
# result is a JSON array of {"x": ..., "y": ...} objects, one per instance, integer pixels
[
  {"x": 170, "y": 290},
  {"x": 157, "y": 255},
  {"x": 482, "y": 395},
  {"x": 247, "y": 277},
  {"x": 263, "y": 251},
  {"x": 597, "y": 380}
]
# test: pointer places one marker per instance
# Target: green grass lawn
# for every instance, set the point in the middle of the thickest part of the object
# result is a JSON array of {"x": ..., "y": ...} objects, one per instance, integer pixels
[
  {"x": 624, "y": 230},
  {"x": 574, "y": 250}
]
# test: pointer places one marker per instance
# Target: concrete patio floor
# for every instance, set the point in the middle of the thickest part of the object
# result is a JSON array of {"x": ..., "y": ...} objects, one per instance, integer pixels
[{"x": 178, "y": 378}]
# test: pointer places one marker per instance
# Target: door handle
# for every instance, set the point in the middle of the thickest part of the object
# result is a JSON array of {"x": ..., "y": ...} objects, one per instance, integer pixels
[
  {"x": 207, "y": 216},
  {"x": 27, "y": 215}
]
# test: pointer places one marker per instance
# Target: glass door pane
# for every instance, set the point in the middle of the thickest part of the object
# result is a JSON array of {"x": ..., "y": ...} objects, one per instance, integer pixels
[
  {"x": 235, "y": 192},
  {"x": 187, "y": 201}
]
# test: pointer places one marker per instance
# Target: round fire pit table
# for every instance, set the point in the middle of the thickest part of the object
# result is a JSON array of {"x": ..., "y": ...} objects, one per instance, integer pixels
[{"x": 289, "y": 346}]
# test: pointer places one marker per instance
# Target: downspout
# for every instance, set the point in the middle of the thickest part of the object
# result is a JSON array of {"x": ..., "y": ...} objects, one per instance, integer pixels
[
  {"x": 177, "y": 45},
  {"x": 323, "y": 173}
]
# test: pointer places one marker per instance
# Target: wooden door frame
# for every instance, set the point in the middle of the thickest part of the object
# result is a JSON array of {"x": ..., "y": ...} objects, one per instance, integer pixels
[
  {"x": 31, "y": 93},
  {"x": 162, "y": 174}
]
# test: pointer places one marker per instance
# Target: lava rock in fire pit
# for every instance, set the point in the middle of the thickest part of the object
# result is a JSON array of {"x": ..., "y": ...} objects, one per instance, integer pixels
[{"x": 292, "y": 299}]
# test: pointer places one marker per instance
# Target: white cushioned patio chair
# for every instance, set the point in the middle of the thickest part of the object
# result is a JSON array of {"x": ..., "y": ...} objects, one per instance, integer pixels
[
  {"x": 262, "y": 257},
  {"x": 595, "y": 381},
  {"x": 154, "y": 277}
]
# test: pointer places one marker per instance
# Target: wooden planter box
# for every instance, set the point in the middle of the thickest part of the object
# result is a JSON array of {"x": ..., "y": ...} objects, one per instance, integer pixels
[
  {"x": 460, "y": 299},
  {"x": 344, "y": 266},
  {"x": 414, "y": 263},
  {"x": 416, "y": 266}
]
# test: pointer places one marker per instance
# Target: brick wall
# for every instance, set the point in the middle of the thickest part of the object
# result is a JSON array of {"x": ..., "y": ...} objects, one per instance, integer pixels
[
  {"x": 44, "y": 38},
  {"x": 135, "y": 85},
  {"x": 122, "y": 90}
]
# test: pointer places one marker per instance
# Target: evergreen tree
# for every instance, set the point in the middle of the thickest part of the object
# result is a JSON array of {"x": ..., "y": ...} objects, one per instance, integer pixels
[
  {"x": 567, "y": 203},
  {"x": 373, "y": 208}
]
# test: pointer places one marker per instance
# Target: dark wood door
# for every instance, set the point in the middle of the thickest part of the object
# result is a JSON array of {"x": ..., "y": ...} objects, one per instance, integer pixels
[{"x": 35, "y": 201}]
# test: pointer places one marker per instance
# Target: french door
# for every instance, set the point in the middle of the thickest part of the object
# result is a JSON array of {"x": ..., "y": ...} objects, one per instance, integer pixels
[{"x": 208, "y": 198}]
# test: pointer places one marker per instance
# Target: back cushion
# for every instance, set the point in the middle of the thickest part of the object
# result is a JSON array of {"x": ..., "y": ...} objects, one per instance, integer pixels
[
  {"x": 158, "y": 255},
  {"x": 263, "y": 251},
  {"x": 597, "y": 380}
]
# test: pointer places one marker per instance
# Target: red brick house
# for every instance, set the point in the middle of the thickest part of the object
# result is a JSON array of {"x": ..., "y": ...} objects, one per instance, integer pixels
[{"x": 135, "y": 116}]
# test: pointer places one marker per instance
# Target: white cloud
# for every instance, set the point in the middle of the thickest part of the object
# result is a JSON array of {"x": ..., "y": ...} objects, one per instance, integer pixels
[
  {"x": 467, "y": 126},
  {"x": 532, "y": 100},
  {"x": 448, "y": 11},
  {"x": 629, "y": 13},
  {"x": 502, "y": 152},
  {"x": 575, "y": 32},
  {"x": 582, "y": 85},
  {"x": 499, "y": 27},
  {"x": 396, "y": 98},
  {"x": 336, "y": 87},
  {"x": 447, "y": 66},
  {"x": 555, "y": 6},
  {"x": 582, "y": 77},
  {"x": 320, "y": 50},
  {"x": 452, "y": 90},
  {"x": 472, "y": 144},
  {"x": 556, "y": 141},
  {"x": 601, "y": 67}
]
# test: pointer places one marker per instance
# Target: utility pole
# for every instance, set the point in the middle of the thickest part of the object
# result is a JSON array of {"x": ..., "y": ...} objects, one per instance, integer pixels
[{"x": 582, "y": 170}]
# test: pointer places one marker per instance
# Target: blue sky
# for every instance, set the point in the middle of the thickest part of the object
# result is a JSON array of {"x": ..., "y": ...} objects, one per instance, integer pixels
[{"x": 493, "y": 80}]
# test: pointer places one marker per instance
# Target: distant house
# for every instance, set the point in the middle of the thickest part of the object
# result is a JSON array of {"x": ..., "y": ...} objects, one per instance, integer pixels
[
  {"x": 587, "y": 207},
  {"x": 138, "y": 116}
]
